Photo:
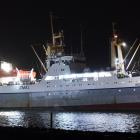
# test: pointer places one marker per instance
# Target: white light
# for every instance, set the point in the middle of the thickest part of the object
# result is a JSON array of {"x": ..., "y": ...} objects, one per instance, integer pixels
[
  {"x": 7, "y": 67},
  {"x": 50, "y": 78},
  {"x": 83, "y": 75},
  {"x": 123, "y": 44},
  {"x": 116, "y": 61},
  {"x": 115, "y": 36},
  {"x": 6, "y": 80}
]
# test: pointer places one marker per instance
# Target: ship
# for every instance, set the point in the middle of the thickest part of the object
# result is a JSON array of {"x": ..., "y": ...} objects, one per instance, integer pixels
[{"x": 62, "y": 88}]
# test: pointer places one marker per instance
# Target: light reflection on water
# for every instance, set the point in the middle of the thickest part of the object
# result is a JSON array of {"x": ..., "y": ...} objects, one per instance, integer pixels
[
  {"x": 93, "y": 121},
  {"x": 11, "y": 118},
  {"x": 24, "y": 119},
  {"x": 111, "y": 122}
]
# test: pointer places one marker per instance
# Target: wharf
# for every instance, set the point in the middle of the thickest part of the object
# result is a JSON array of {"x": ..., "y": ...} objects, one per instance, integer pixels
[{"x": 19, "y": 132}]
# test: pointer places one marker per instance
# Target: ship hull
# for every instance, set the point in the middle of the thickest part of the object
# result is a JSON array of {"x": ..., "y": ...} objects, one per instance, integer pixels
[
  {"x": 127, "y": 98},
  {"x": 105, "y": 107}
]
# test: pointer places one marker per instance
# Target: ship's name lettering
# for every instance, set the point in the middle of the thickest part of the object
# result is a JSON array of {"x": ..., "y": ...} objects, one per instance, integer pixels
[{"x": 24, "y": 87}]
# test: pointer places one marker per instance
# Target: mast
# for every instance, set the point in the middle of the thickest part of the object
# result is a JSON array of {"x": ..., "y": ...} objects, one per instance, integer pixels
[
  {"x": 55, "y": 48},
  {"x": 116, "y": 53},
  {"x": 113, "y": 47}
]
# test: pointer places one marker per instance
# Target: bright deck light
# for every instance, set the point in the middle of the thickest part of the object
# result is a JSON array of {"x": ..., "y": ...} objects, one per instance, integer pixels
[
  {"x": 115, "y": 36},
  {"x": 116, "y": 61},
  {"x": 7, "y": 67},
  {"x": 123, "y": 44}
]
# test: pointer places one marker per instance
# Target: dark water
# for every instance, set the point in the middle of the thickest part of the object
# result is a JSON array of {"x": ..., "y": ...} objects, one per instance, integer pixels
[{"x": 93, "y": 121}]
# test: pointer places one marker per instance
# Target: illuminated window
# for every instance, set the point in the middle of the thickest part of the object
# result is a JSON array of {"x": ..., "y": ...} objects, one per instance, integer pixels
[{"x": 85, "y": 76}]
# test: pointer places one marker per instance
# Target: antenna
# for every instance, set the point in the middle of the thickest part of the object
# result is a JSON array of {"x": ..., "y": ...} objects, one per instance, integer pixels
[
  {"x": 82, "y": 52},
  {"x": 71, "y": 51},
  {"x": 51, "y": 20},
  {"x": 113, "y": 28}
]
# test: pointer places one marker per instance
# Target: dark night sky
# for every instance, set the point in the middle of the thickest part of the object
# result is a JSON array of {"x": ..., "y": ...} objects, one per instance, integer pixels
[{"x": 23, "y": 24}]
